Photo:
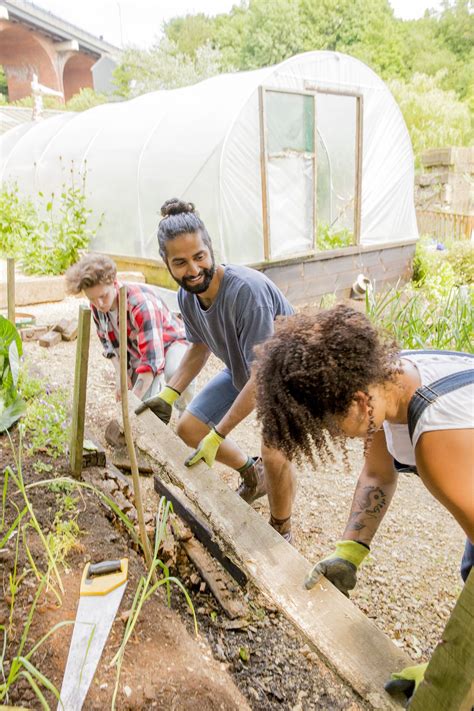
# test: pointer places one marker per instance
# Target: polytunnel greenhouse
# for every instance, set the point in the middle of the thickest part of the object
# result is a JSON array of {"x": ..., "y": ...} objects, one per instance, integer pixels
[{"x": 280, "y": 162}]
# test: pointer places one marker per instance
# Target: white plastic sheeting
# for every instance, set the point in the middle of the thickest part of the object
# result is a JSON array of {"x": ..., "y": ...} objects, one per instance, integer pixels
[{"x": 202, "y": 143}]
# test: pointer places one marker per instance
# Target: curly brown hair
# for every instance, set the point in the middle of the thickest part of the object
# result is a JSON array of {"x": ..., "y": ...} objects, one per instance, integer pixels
[
  {"x": 89, "y": 271},
  {"x": 309, "y": 372}
]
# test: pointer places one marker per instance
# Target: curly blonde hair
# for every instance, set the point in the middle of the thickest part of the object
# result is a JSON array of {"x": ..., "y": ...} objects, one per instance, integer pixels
[{"x": 91, "y": 270}]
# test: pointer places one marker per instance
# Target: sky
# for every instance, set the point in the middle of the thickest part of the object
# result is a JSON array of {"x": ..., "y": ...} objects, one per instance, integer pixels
[{"x": 139, "y": 22}]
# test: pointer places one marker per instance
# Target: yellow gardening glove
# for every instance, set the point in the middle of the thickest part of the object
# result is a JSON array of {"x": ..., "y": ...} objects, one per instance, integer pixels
[
  {"x": 407, "y": 681},
  {"x": 340, "y": 567},
  {"x": 207, "y": 449},
  {"x": 161, "y": 405}
]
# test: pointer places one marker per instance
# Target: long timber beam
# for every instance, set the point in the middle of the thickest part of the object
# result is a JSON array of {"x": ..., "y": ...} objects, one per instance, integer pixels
[{"x": 344, "y": 638}]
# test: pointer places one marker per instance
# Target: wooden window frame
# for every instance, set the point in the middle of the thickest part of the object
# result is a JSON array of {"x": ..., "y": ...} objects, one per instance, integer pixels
[{"x": 310, "y": 90}]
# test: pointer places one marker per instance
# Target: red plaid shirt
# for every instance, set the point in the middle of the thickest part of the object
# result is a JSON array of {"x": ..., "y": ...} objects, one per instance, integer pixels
[{"x": 151, "y": 329}]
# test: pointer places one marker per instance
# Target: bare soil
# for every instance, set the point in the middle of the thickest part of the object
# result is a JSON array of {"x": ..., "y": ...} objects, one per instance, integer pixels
[{"x": 408, "y": 586}]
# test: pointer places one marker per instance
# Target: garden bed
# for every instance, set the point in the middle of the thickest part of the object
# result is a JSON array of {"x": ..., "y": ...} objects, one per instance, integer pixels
[{"x": 164, "y": 666}]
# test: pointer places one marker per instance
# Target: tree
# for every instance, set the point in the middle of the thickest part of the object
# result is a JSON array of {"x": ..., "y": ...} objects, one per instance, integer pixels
[
  {"x": 272, "y": 33},
  {"x": 190, "y": 32},
  {"x": 435, "y": 118},
  {"x": 456, "y": 26},
  {"x": 163, "y": 67},
  {"x": 363, "y": 28}
]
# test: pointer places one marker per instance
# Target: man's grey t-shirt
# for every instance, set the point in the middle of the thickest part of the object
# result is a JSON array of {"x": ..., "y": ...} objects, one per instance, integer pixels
[{"x": 241, "y": 316}]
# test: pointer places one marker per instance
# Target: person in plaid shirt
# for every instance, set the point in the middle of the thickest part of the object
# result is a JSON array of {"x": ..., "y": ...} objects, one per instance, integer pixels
[{"x": 156, "y": 340}]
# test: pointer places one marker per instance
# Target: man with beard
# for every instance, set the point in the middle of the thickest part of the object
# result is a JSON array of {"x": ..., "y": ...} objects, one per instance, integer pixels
[{"x": 227, "y": 310}]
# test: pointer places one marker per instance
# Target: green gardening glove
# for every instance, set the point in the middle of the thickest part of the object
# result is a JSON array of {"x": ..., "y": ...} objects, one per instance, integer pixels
[
  {"x": 340, "y": 567},
  {"x": 407, "y": 681},
  {"x": 206, "y": 450},
  {"x": 161, "y": 405}
]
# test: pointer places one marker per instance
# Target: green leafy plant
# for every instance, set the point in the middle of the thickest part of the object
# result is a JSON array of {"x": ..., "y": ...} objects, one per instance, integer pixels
[
  {"x": 11, "y": 404},
  {"x": 47, "y": 424},
  {"x": 56, "y": 242},
  {"x": 28, "y": 386},
  {"x": 327, "y": 239},
  {"x": 17, "y": 220},
  {"x": 47, "y": 237}
]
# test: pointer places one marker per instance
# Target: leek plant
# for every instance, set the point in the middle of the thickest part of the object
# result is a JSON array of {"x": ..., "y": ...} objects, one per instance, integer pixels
[{"x": 416, "y": 320}]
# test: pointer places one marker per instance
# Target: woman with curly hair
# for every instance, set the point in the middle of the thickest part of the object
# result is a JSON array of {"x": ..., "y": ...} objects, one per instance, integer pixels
[{"x": 326, "y": 377}]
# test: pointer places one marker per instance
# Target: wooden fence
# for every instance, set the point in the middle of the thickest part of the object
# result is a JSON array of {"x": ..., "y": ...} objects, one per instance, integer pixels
[{"x": 445, "y": 225}]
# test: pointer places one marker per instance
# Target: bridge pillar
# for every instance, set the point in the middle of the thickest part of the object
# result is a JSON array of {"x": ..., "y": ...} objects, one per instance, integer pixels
[{"x": 58, "y": 65}]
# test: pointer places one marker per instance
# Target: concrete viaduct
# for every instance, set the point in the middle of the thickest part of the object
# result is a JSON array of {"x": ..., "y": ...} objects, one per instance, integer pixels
[{"x": 64, "y": 57}]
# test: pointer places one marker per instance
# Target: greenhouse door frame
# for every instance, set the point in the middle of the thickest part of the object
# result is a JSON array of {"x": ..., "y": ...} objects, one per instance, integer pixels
[
  {"x": 262, "y": 90},
  {"x": 310, "y": 90}
]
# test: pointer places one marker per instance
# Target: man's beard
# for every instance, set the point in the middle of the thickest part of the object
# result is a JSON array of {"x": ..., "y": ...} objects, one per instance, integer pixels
[{"x": 203, "y": 285}]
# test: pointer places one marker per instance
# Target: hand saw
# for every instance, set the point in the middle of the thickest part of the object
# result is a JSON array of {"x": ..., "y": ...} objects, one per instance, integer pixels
[{"x": 102, "y": 588}]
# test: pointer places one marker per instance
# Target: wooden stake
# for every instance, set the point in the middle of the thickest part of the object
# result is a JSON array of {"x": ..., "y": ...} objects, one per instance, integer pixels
[
  {"x": 449, "y": 683},
  {"x": 11, "y": 289},
  {"x": 126, "y": 425},
  {"x": 80, "y": 388}
]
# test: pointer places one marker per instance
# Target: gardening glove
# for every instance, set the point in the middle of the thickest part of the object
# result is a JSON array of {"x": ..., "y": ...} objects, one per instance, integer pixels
[
  {"x": 340, "y": 567},
  {"x": 407, "y": 681},
  {"x": 161, "y": 405},
  {"x": 207, "y": 449}
]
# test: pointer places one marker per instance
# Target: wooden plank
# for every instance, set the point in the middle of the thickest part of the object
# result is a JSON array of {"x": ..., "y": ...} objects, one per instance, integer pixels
[
  {"x": 448, "y": 684},
  {"x": 80, "y": 387},
  {"x": 216, "y": 577},
  {"x": 342, "y": 635},
  {"x": 185, "y": 510},
  {"x": 11, "y": 289}
]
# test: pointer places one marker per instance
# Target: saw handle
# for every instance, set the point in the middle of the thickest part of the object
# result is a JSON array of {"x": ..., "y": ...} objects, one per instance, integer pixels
[{"x": 104, "y": 568}]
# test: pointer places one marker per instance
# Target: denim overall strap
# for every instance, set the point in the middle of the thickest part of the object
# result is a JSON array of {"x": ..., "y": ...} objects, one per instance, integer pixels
[
  {"x": 426, "y": 394},
  {"x": 434, "y": 351}
]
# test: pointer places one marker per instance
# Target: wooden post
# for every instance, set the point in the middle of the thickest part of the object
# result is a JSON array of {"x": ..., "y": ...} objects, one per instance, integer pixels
[
  {"x": 126, "y": 425},
  {"x": 11, "y": 289},
  {"x": 358, "y": 167},
  {"x": 263, "y": 175},
  {"x": 80, "y": 388},
  {"x": 449, "y": 683}
]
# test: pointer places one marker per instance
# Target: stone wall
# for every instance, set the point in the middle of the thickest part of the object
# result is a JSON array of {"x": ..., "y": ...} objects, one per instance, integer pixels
[{"x": 447, "y": 181}]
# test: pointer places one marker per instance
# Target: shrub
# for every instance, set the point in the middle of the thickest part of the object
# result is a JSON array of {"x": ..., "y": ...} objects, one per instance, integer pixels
[
  {"x": 435, "y": 118},
  {"x": 440, "y": 267},
  {"x": 17, "y": 220},
  {"x": 50, "y": 244}
]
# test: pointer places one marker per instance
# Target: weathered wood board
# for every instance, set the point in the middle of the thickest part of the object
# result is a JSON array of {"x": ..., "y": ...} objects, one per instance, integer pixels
[{"x": 342, "y": 635}]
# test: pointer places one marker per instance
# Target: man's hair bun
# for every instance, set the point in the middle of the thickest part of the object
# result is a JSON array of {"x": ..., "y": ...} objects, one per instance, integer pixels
[{"x": 174, "y": 206}]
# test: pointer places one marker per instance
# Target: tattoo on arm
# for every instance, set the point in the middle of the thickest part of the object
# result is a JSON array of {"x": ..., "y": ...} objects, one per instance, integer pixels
[{"x": 368, "y": 504}]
